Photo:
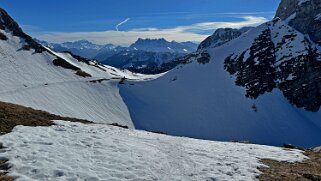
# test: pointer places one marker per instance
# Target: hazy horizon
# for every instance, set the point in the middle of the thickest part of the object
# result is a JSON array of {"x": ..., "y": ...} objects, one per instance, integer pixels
[{"x": 119, "y": 23}]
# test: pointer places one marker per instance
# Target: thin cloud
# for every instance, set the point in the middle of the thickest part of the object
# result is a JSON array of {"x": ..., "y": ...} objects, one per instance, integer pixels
[
  {"x": 121, "y": 23},
  {"x": 30, "y": 28},
  {"x": 213, "y": 14},
  {"x": 194, "y": 32}
]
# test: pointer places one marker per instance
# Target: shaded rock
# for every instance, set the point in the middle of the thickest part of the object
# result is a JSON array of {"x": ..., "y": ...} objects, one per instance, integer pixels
[
  {"x": 303, "y": 16},
  {"x": 222, "y": 36}
]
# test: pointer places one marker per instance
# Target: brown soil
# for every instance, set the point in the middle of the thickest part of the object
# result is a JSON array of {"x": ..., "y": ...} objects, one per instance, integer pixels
[
  {"x": 5, "y": 178},
  {"x": 308, "y": 170},
  {"x": 4, "y": 166},
  {"x": 12, "y": 115}
]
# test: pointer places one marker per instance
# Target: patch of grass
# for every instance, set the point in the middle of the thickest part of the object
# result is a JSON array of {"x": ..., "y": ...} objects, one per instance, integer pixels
[
  {"x": 12, "y": 115},
  {"x": 309, "y": 169},
  {"x": 5, "y": 178},
  {"x": 4, "y": 167}
]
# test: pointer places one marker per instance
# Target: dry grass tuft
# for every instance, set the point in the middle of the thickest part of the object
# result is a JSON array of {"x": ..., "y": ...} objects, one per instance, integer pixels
[{"x": 308, "y": 170}]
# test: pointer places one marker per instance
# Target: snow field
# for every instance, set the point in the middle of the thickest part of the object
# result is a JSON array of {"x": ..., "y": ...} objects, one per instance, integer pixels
[{"x": 75, "y": 151}]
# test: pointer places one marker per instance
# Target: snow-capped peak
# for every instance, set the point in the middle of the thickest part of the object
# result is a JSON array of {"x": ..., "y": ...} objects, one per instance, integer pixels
[{"x": 222, "y": 36}]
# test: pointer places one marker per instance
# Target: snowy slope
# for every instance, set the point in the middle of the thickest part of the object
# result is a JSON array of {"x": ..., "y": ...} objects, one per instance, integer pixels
[
  {"x": 203, "y": 101},
  {"x": 74, "y": 151},
  {"x": 32, "y": 79}
]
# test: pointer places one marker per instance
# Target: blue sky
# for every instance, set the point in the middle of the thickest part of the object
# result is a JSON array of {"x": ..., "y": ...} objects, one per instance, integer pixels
[{"x": 97, "y": 20}]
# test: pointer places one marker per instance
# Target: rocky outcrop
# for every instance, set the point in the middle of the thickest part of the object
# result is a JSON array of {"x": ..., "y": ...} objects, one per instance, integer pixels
[
  {"x": 6, "y": 22},
  {"x": 222, "y": 36},
  {"x": 303, "y": 15},
  {"x": 284, "y": 58},
  {"x": 3, "y": 37},
  {"x": 255, "y": 72},
  {"x": 30, "y": 44},
  {"x": 281, "y": 58}
]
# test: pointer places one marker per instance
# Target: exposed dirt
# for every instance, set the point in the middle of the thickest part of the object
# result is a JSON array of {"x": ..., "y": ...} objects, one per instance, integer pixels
[
  {"x": 3, "y": 167},
  {"x": 5, "y": 178},
  {"x": 308, "y": 170},
  {"x": 12, "y": 115}
]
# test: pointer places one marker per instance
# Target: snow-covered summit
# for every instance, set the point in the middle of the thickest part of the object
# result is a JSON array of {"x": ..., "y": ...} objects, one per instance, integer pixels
[
  {"x": 221, "y": 36},
  {"x": 81, "y": 44}
]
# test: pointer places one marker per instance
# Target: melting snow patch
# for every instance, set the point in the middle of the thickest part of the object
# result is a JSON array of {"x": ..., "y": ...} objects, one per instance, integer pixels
[{"x": 75, "y": 151}]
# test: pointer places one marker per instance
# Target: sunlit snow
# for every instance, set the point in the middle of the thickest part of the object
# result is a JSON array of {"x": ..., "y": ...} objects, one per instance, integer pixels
[{"x": 75, "y": 151}]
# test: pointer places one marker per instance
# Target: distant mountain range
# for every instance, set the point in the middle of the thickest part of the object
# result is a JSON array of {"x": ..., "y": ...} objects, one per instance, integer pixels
[
  {"x": 161, "y": 45},
  {"x": 149, "y": 56},
  {"x": 142, "y": 54}
]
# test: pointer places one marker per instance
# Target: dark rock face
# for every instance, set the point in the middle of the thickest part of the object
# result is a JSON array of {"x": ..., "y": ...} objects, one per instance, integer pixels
[
  {"x": 9, "y": 23},
  {"x": 3, "y": 37},
  {"x": 303, "y": 16},
  {"x": 305, "y": 89},
  {"x": 63, "y": 63},
  {"x": 204, "y": 58},
  {"x": 266, "y": 66},
  {"x": 255, "y": 73},
  {"x": 222, "y": 36}
]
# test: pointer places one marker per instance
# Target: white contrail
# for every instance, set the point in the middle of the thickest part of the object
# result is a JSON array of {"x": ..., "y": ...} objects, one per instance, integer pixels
[{"x": 121, "y": 23}]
